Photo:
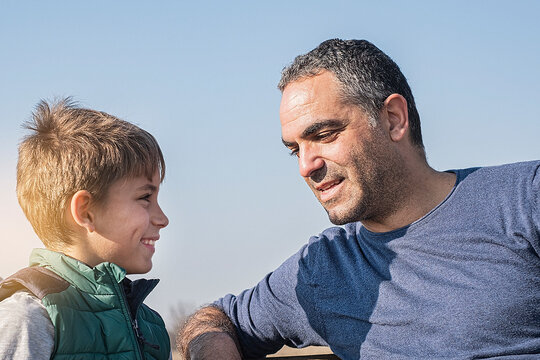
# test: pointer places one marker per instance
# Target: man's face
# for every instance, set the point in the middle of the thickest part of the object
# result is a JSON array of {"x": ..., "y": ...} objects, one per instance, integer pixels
[
  {"x": 127, "y": 225},
  {"x": 352, "y": 167}
]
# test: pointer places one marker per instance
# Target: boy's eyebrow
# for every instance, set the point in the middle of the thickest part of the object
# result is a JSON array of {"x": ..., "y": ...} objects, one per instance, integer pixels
[
  {"x": 148, "y": 187},
  {"x": 314, "y": 128}
]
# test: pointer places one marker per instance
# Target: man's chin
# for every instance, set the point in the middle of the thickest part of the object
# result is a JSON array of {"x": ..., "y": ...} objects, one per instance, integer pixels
[{"x": 339, "y": 217}]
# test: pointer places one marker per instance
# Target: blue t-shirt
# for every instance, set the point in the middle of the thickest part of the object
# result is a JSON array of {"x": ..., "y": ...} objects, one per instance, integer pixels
[{"x": 462, "y": 282}]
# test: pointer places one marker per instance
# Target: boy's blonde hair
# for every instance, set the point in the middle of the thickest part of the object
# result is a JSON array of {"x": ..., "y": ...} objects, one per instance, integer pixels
[{"x": 71, "y": 149}]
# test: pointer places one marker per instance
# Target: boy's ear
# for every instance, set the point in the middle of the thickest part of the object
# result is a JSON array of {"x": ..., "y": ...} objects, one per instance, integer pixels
[{"x": 81, "y": 211}]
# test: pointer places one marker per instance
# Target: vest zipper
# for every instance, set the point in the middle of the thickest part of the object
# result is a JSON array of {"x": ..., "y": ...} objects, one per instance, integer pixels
[
  {"x": 140, "y": 336},
  {"x": 127, "y": 313}
]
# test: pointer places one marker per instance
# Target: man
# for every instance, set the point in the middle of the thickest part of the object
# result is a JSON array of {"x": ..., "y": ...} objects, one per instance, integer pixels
[{"x": 428, "y": 264}]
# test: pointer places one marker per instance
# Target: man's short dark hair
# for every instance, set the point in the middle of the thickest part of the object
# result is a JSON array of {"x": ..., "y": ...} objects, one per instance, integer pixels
[{"x": 366, "y": 74}]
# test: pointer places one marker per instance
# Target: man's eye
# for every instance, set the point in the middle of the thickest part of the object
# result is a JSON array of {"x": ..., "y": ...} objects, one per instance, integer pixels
[
  {"x": 326, "y": 135},
  {"x": 293, "y": 152}
]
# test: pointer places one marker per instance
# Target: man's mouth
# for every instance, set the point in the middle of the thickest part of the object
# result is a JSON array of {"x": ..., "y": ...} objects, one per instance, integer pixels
[
  {"x": 149, "y": 242},
  {"x": 328, "y": 189},
  {"x": 329, "y": 184}
]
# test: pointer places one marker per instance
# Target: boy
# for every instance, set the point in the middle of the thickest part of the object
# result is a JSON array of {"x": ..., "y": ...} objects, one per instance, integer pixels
[{"x": 88, "y": 183}]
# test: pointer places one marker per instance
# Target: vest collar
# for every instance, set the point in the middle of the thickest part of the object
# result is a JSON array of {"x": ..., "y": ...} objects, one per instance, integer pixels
[{"x": 75, "y": 272}]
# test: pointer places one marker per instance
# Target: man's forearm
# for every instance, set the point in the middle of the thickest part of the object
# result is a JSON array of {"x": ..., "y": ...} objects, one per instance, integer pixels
[{"x": 209, "y": 334}]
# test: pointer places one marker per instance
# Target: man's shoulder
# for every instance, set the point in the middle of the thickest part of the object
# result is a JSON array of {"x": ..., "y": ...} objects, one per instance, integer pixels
[
  {"x": 510, "y": 190},
  {"x": 519, "y": 173},
  {"x": 523, "y": 167}
]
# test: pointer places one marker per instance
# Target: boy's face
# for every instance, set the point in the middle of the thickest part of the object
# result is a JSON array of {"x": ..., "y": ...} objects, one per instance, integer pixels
[{"x": 127, "y": 225}]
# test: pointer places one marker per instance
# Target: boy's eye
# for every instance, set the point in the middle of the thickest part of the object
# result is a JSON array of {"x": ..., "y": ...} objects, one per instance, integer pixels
[{"x": 145, "y": 197}]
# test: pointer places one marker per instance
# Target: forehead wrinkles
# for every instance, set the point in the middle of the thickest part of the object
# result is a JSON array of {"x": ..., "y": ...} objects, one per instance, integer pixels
[
  {"x": 294, "y": 102},
  {"x": 307, "y": 101},
  {"x": 320, "y": 91}
]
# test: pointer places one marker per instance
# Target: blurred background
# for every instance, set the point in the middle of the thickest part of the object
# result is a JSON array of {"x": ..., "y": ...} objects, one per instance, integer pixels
[{"x": 202, "y": 76}]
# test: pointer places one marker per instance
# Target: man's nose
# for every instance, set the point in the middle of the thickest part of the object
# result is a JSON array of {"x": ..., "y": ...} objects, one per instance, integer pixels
[{"x": 309, "y": 161}]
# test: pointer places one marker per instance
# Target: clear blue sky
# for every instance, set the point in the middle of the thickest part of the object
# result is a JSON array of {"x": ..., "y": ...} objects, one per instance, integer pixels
[{"x": 201, "y": 76}]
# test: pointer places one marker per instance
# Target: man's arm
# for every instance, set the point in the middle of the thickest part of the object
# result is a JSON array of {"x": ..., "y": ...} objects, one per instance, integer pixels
[
  {"x": 260, "y": 320},
  {"x": 209, "y": 334}
]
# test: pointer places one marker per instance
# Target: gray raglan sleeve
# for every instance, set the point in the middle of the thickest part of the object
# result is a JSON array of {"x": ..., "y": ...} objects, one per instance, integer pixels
[{"x": 26, "y": 331}]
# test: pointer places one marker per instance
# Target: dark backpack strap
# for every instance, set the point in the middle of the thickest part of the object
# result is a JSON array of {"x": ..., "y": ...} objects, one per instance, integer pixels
[{"x": 35, "y": 279}]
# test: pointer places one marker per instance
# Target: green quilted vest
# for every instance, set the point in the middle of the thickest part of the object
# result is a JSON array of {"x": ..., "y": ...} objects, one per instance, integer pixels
[{"x": 91, "y": 317}]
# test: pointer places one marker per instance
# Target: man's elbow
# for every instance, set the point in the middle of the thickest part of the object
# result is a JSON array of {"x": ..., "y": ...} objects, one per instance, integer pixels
[{"x": 208, "y": 334}]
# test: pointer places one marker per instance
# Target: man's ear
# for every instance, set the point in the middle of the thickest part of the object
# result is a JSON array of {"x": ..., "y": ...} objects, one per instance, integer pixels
[
  {"x": 397, "y": 114},
  {"x": 81, "y": 211}
]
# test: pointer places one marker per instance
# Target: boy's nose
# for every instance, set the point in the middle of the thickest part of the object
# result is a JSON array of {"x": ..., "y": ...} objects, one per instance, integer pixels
[{"x": 160, "y": 219}]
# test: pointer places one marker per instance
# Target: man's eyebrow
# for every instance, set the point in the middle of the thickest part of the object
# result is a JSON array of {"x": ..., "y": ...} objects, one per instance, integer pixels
[
  {"x": 287, "y": 143},
  {"x": 314, "y": 128}
]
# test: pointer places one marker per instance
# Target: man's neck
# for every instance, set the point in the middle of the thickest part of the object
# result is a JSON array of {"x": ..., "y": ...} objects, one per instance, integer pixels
[{"x": 425, "y": 191}]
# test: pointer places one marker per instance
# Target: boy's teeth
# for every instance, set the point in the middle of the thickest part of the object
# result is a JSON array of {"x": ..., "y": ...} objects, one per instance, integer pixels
[{"x": 149, "y": 242}]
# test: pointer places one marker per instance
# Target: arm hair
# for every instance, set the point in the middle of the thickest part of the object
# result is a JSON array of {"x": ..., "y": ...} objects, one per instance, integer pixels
[{"x": 208, "y": 334}]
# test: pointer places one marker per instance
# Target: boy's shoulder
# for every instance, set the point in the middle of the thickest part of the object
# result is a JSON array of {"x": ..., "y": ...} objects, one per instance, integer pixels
[
  {"x": 37, "y": 280},
  {"x": 26, "y": 331}
]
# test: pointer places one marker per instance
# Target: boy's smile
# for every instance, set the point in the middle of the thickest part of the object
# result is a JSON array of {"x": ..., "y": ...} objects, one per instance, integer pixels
[{"x": 126, "y": 225}]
